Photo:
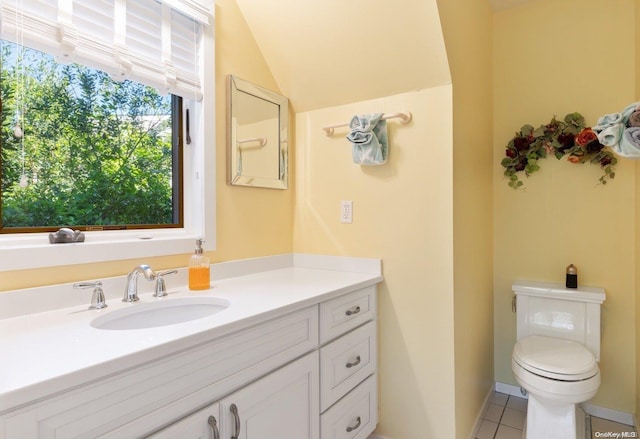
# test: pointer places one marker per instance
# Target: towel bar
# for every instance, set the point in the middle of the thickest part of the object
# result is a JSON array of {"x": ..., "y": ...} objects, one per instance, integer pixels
[
  {"x": 405, "y": 118},
  {"x": 262, "y": 140}
]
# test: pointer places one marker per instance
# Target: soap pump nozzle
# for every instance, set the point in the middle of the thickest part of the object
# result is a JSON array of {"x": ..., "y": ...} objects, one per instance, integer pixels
[{"x": 199, "y": 243}]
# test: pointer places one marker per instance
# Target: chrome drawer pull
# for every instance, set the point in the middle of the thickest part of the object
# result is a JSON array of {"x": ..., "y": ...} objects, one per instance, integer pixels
[
  {"x": 214, "y": 427},
  {"x": 350, "y": 428},
  {"x": 353, "y": 310},
  {"x": 355, "y": 362},
  {"x": 236, "y": 418}
]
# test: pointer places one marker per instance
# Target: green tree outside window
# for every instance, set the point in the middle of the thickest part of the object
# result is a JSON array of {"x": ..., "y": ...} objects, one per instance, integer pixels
[{"x": 95, "y": 152}]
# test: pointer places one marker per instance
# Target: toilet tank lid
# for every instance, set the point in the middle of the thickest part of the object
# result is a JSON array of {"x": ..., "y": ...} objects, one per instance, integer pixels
[{"x": 558, "y": 291}]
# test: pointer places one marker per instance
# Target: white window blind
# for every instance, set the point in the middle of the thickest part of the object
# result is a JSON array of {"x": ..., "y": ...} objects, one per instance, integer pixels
[{"x": 153, "y": 42}]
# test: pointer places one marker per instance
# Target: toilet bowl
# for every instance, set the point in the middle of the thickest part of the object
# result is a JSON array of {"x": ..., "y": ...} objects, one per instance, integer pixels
[
  {"x": 558, "y": 375},
  {"x": 560, "y": 371},
  {"x": 553, "y": 359}
]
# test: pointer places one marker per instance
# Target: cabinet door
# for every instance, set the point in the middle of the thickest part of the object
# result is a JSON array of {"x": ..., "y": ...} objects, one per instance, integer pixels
[
  {"x": 202, "y": 424},
  {"x": 283, "y": 405}
]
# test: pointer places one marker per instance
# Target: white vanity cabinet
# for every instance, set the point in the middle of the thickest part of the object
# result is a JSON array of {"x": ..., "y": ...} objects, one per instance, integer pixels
[
  {"x": 348, "y": 366},
  {"x": 330, "y": 393},
  {"x": 302, "y": 373},
  {"x": 284, "y": 404},
  {"x": 135, "y": 403}
]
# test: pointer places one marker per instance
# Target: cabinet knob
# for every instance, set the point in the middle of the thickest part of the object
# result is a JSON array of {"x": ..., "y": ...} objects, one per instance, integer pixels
[
  {"x": 355, "y": 362},
  {"x": 236, "y": 420},
  {"x": 350, "y": 428},
  {"x": 353, "y": 310},
  {"x": 214, "y": 427}
]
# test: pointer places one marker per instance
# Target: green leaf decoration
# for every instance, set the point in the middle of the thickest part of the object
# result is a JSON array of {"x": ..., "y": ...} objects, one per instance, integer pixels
[
  {"x": 568, "y": 137},
  {"x": 526, "y": 131}
]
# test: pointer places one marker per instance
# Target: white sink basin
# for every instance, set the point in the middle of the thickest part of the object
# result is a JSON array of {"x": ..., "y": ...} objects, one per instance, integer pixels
[{"x": 162, "y": 312}]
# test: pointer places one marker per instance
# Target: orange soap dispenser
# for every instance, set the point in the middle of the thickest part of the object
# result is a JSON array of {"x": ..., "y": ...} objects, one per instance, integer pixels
[{"x": 199, "y": 269}]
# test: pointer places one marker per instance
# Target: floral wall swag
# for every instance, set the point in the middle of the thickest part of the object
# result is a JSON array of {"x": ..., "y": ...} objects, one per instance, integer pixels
[{"x": 568, "y": 137}]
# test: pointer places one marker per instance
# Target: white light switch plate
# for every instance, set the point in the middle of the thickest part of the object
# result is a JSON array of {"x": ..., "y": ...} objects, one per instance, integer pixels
[{"x": 346, "y": 211}]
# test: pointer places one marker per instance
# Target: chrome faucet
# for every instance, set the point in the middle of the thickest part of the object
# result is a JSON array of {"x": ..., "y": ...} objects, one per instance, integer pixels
[
  {"x": 131, "y": 290},
  {"x": 97, "y": 299},
  {"x": 161, "y": 287}
]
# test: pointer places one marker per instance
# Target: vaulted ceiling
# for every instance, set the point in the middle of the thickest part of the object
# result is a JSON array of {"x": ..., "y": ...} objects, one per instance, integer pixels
[{"x": 330, "y": 52}]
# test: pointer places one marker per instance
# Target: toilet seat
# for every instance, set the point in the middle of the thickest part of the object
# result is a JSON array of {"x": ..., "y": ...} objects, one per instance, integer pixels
[{"x": 556, "y": 359}]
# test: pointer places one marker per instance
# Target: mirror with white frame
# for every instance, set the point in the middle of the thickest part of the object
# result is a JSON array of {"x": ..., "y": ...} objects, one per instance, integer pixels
[{"x": 257, "y": 141}]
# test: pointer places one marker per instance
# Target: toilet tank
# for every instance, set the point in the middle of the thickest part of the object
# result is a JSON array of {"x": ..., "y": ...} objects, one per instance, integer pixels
[{"x": 550, "y": 309}]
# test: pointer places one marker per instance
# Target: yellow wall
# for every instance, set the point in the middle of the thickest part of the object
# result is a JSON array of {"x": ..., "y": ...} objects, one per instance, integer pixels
[
  {"x": 402, "y": 213},
  {"x": 637, "y": 223},
  {"x": 251, "y": 221},
  {"x": 467, "y": 31},
  {"x": 555, "y": 57},
  {"x": 239, "y": 233},
  {"x": 325, "y": 52}
]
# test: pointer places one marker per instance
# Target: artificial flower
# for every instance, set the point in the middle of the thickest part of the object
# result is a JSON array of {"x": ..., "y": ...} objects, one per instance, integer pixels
[{"x": 567, "y": 137}]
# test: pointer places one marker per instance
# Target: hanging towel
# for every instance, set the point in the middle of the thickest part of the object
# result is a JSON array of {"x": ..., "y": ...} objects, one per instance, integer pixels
[
  {"x": 628, "y": 111},
  {"x": 369, "y": 139},
  {"x": 634, "y": 119},
  {"x": 611, "y": 135},
  {"x": 609, "y": 120},
  {"x": 629, "y": 146}
]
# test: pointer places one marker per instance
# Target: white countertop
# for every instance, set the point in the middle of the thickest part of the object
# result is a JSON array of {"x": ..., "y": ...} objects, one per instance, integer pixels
[{"x": 49, "y": 352}]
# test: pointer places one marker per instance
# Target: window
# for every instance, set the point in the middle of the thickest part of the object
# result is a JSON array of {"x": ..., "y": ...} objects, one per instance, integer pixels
[
  {"x": 81, "y": 150},
  {"x": 155, "y": 49}
]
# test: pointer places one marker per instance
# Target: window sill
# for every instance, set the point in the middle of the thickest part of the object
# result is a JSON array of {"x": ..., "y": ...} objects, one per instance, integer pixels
[{"x": 27, "y": 251}]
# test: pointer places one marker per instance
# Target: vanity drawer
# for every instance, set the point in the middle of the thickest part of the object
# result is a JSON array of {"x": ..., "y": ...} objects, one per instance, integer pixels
[
  {"x": 346, "y": 362},
  {"x": 342, "y": 314},
  {"x": 353, "y": 417}
]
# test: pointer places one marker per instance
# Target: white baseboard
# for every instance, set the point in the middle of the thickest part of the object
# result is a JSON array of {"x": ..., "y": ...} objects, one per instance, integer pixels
[
  {"x": 510, "y": 390},
  {"x": 590, "y": 409},
  {"x": 611, "y": 415}
]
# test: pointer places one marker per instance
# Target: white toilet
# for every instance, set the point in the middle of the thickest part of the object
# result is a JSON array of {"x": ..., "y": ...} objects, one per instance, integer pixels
[{"x": 556, "y": 356}]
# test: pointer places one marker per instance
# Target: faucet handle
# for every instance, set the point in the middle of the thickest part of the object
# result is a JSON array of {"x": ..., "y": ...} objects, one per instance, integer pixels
[
  {"x": 97, "y": 298},
  {"x": 161, "y": 288}
]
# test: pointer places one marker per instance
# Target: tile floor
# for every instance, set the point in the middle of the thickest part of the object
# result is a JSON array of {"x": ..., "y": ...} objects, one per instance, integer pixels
[{"x": 505, "y": 416}]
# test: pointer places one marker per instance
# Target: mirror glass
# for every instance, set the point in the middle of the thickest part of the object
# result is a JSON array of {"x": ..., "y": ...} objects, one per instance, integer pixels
[{"x": 257, "y": 124}]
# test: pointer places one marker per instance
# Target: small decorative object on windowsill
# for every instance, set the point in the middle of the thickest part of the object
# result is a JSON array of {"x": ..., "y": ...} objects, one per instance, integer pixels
[
  {"x": 568, "y": 137},
  {"x": 572, "y": 276},
  {"x": 66, "y": 236}
]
